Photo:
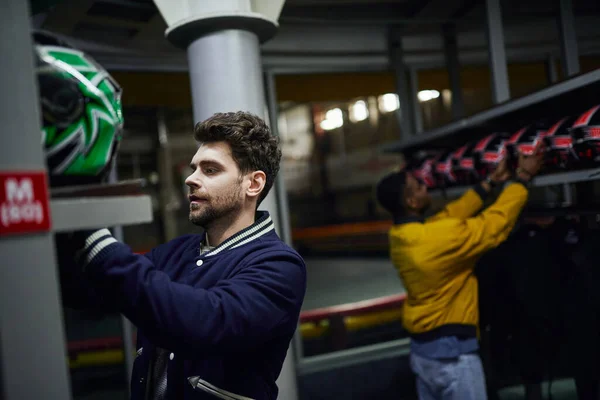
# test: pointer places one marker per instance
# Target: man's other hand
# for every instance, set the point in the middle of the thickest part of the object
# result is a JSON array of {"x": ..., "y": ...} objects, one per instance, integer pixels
[
  {"x": 501, "y": 173},
  {"x": 530, "y": 166}
]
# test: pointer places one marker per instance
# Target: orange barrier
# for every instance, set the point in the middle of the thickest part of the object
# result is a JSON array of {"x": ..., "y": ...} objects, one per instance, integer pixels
[
  {"x": 105, "y": 343},
  {"x": 343, "y": 318},
  {"x": 360, "y": 307},
  {"x": 349, "y": 229}
]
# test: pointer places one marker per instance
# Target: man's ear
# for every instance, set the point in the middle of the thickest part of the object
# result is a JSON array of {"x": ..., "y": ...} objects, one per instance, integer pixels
[{"x": 258, "y": 179}]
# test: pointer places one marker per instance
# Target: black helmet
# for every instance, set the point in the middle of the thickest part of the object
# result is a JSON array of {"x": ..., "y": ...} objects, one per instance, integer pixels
[
  {"x": 524, "y": 141},
  {"x": 464, "y": 165},
  {"x": 490, "y": 151},
  {"x": 422, "y": 168},
  {"x": 443, "y": 170},
  {"x": 586, "y": 137},
  {"x": 559, "y": 153}
]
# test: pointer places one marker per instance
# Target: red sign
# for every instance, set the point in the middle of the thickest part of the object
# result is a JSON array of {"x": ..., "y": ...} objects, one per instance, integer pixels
[{"x": 23, "y": 203}]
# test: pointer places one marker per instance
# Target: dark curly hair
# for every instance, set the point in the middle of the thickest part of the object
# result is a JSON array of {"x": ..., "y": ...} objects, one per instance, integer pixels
[{"x": 252, "y": 146}]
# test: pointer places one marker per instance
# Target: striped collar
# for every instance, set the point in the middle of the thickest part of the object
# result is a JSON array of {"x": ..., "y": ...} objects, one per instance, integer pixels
[{"x": 260, "y": 227}]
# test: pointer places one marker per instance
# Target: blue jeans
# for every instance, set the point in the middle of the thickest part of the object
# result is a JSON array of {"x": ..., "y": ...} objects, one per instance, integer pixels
[{"x": 458, "y": 378}]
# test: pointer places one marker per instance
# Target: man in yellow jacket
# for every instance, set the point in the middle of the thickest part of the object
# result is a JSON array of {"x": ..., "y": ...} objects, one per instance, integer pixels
[{"x": 435, "y": 258}]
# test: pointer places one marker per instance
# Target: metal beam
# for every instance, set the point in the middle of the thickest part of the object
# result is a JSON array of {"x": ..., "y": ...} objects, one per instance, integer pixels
[
  {"x": 453, "y": 66},
  {"x": 65, "y": 15},
  {"x": 126, "y": 325},
  {"x": 354, "y": 356},
  {"x": 404, "y": 114},
  {"x": 551, "y": 72},
  {"x": 568, "y": 39},
  {"x": 497, "y": 55},
  {"x": 341, "y": 62},
  {"x": 373, "y": 12},
  {"x": 168, "y": 194},
  {"x": 414, "y": 100},
  {"x": 146, "y": 36},
  {"x": 288, "y": 377},
  {"x": 435, "y": 10}
]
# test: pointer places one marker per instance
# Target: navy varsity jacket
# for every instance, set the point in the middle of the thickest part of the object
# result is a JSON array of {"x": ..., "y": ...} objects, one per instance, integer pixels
[{"x": 226, "y": 317}]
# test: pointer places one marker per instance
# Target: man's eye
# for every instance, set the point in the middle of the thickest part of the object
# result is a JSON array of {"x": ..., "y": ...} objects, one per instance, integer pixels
[{"x": 210, "y": 170}]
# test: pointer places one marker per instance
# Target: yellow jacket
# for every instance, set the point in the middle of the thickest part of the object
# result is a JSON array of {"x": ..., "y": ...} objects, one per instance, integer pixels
[{"x": 435, "y": 258}]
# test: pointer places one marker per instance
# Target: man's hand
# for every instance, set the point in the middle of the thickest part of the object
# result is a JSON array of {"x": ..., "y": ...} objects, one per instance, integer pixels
[
  {"x": 501, "y": 173},
  {"x": 530, "y": 166}
]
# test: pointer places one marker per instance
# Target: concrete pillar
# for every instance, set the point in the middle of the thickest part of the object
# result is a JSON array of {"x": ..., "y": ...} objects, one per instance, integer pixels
[{"x": 222, "y": 39}]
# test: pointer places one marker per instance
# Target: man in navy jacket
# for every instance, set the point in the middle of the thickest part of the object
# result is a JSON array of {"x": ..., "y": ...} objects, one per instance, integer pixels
[{"x": 215, "y": 312}]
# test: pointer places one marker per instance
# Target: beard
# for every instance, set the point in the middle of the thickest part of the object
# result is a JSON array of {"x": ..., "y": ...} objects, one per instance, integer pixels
[{"x": 217, "y": 208}]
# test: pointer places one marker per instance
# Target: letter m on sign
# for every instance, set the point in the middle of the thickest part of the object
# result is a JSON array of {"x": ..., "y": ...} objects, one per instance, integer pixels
[
  {"x": 24, "y": 202},
  {"x": 19, "y": 192}
]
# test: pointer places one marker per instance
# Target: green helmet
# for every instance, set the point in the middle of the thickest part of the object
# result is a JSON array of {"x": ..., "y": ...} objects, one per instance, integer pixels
[{"x": 82, "y": 115}]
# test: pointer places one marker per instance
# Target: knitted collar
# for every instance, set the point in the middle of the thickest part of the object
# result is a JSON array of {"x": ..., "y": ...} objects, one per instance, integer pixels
[{"x": 260, "y": 227}]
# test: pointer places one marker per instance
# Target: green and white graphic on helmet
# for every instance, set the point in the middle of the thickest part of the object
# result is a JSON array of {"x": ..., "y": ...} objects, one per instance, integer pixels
[{"x": 82, "y": 112}]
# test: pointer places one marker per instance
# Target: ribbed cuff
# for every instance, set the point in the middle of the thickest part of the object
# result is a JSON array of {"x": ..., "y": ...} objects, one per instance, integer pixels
[{"x": 95, "y": 243}]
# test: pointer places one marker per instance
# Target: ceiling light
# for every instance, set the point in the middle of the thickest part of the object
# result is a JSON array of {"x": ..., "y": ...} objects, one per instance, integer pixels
[
  {"x": 426, "y": 95},
  {"x": 359, "y": 111}
]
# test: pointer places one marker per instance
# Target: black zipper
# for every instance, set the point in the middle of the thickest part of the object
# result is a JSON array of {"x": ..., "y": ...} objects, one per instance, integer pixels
[{"x": 147, "y": 392}]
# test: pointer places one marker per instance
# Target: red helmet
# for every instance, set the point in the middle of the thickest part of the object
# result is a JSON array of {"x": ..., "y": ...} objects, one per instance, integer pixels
[
  {"x": 559, "y": 145},
  {"x": 443, "y": 170},
  {"x": 422, "y": 168},
  {"x": 586, "y": 137},
  {"x": 464, "y": 165},
  {"x": 524, "y": 141},
  {"x": 489, "y": 152}
]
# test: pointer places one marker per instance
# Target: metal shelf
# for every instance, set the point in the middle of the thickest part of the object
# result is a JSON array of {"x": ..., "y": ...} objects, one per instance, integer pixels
[
  {"x": 539, "y": 181},
  {"x": 130, "y": 187},
  {"x": 572, "y": 96},
  {"x": 70, "y": 214},
  {"x": 354, "y": 356},
  {"x": 567, "y": 177}
]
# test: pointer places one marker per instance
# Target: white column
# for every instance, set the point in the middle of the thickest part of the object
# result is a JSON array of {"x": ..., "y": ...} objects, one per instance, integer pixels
[{"x": 222, "y": 39}]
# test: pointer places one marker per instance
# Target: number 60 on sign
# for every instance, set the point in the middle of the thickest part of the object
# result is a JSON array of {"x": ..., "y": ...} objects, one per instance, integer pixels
[{"x": 23, "y": 203}]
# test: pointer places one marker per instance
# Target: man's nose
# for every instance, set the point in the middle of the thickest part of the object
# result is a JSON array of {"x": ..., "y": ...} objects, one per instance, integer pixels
[{"x": 192, "y": 180}]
